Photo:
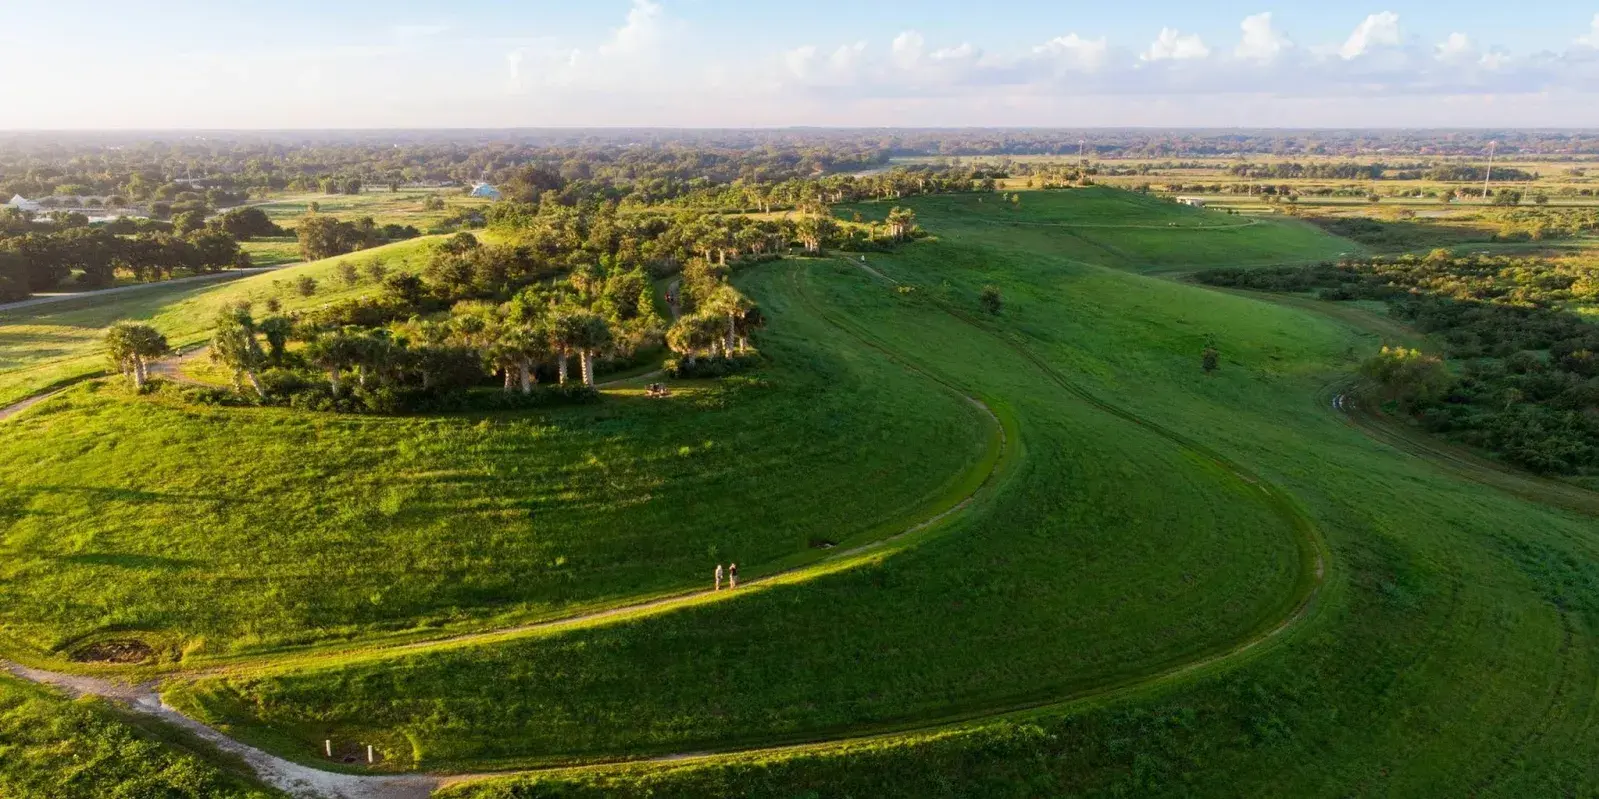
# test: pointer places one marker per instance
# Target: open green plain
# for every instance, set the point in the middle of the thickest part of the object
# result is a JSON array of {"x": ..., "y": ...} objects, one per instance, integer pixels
[
  {"x": 1172, "y": 583},
  {"x": 404, "y": 207},
  {"x": 49, "y": 345}
]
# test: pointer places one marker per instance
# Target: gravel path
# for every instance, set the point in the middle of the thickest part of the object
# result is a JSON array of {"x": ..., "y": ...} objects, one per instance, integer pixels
[{"x": 293, "y": 778}]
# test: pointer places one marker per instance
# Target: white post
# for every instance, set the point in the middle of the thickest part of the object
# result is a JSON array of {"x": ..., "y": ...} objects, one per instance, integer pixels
[
  {"x": 1490, "y": 173},
  {"x": 327, "y": 746},
  {"x": 369, "y": 753}
]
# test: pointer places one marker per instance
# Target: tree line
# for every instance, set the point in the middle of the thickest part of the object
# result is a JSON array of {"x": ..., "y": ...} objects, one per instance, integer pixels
[
  {"x": 38, "y": 257},
  {"x": 1519, "y": 376}
]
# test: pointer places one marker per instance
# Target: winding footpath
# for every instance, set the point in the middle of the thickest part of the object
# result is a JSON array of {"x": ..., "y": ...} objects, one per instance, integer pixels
[{"x": 298, "y": 779}]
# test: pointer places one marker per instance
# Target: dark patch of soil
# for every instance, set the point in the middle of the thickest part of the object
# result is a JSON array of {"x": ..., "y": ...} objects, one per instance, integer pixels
[{"x": 125, "y": 651}]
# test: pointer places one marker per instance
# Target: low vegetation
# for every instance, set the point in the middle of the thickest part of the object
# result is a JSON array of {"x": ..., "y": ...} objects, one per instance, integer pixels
[
  {"x": 1526, "y": 381},
  {"x": 63, "y": 749}
]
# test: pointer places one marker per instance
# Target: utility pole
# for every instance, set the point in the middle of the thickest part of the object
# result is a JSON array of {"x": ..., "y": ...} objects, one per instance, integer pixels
[{"x": 1487, "y": 176}]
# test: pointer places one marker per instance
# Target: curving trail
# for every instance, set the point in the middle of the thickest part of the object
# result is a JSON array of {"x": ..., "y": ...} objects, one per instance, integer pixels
[
  {"x": 302, "y": 779},
  {"x": 1457, "y": 460},
  {"x": 18, "y": 407}
]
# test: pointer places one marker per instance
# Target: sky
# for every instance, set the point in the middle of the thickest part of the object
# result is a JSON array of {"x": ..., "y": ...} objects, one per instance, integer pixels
[{"x": 184, "y": 64}]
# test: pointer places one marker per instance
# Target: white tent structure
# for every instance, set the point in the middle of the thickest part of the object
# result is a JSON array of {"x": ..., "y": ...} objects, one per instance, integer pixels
[
  {"x": 485, "y": 190},
  {"x": 22, "y": 203}
]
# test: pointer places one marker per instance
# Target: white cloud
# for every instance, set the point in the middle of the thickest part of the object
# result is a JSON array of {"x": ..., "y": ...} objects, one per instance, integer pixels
[
  {"x": 1591, "y": 38},
  {"x": 907, "y": 49},
  {"x": 846, "y": 58},
  {"x": 1455, "y": 48},
  {"x": 963, "y": 52},
  {"x": 801, "y": 60},
  {"x": 1074, "y": 52},
  {"x": 642, "y": 33},
  {"x": 1377, "y": 30},
  {"x": 409, "y": 33},
  {"x": 1171, "y": 45},
  {"x": 1261, "y": 41},
  {"x": 513, "y": 70}
]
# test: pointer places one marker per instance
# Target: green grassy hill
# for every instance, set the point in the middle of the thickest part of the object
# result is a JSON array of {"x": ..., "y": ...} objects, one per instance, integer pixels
[
  {"x": 213, "y": 531},
  {"x": 47, "y": 345},
  {"x": 1174, "y": 583}
]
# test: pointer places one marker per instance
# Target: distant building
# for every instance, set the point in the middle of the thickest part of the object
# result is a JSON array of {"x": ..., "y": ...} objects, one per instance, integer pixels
[
  {"x": 486, "y": 191},
  {"x": 1194, "y": 201},
  {"x": 22, "y": 203}
]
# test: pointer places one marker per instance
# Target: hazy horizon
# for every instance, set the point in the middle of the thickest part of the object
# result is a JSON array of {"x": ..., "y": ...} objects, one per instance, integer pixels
[{"x": 698, "y": 64}]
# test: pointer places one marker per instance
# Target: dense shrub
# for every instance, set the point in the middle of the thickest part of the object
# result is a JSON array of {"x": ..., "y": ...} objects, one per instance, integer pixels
[
  {"x": 1528, "y": 380},
  {"x": 710, "y": 366}
]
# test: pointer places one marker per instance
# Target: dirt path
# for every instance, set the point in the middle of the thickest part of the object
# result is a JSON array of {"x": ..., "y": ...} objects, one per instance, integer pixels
[
  {"x": 18, "y": 407},
  {"x": 45, "y": 299},
  {"x": 291, "y": 778},
  {"x": 171, "y": 367}
]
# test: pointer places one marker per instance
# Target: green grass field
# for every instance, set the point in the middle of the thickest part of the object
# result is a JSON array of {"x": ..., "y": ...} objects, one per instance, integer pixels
[
  {"x": 55, "y": 747},
  {"x": 385, "y": 207},
  {"x": 1174, "y": 584},
  {"x": 213, "y": 531},
  {"x": 52, "y": 344},
  {"x": 275, "y": 251}
]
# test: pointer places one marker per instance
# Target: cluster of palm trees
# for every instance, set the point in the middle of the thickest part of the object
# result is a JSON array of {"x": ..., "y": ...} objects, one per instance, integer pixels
[
  {"x": 721, "y": 323},
  {"x": 584, "y": 317},
  {"x": 131, "y": 346}
]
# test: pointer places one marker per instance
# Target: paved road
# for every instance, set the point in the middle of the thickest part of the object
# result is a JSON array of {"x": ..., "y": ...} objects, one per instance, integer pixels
[{"x": 42, "y": 299}]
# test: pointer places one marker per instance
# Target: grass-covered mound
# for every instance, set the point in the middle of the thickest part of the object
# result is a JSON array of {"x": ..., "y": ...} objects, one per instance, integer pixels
[
  {"x": 1117, "y": 228},
  {"x": 1111, "y": 552},
  {"x": 1448, "y": 652},
  {"x": 220, "y": 529},
  {"x": 45, "y": 345}
]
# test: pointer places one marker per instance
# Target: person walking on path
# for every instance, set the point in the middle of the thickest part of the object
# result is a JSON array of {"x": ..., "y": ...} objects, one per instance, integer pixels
[
  {"x": 732, "y": 576},
  {"x": 718, "y": 576}
]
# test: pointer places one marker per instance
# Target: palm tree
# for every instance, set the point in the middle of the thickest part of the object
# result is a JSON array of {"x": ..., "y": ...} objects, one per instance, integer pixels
[
  {"x": 901, "y": 221},
  {"x": 691, "y": 334},
  {"x": 590, "y": 334},
  {"x": 277, "y": 330},
  {"x": 131, "y": 345},
  {"x": 562, "y": 335},
  {"x": 234, "y": 345},
  {"x": 751, "y": 320},
  {"x": 333, "y": 351},
  {"x": 727, "y": 303}
]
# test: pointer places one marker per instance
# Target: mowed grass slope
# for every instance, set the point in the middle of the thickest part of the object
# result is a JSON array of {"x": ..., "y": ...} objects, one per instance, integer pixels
[
  {"x": 54, "y": 747},
  {"x": 1112, "y": 227},
  {"x": 404, "y": 207},
  {"x": 217, "y": 530},
  {"x": 1110, "y": 553},
  {"x": 45, "y": 345},
  {"x": 1453, "y": 650}
]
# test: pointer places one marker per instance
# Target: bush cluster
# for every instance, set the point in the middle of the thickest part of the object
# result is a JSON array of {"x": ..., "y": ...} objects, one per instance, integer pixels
[
  {"x": 710, "y": 366},
  {"x": 288, "y": 389},
  {"x": 1524, "y": 382}
]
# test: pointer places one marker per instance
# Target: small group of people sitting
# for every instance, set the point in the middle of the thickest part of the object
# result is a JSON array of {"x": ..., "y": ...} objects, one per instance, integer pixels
[{"x": 657, "y": 390}]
